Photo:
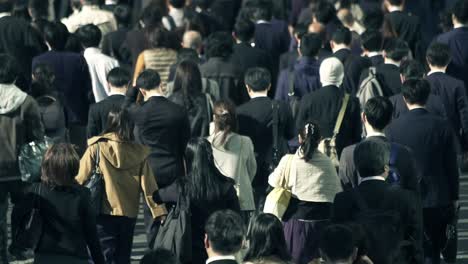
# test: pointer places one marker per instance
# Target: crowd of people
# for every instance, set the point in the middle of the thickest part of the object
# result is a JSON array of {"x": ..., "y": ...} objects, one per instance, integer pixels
[{"x": 357, "y": 109}]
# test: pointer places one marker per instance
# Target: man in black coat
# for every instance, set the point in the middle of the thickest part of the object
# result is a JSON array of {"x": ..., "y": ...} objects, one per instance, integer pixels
[
  {"x": 324, "y": 105},
  {"x": 118, "y": 80},
  {"x": 373, "y": 196},
  {"x": 112, "y": 41},
  {"x": 433, "y": 144},
  {"x": 377, "y": 115},
  {"x": 256, "y": 121},
  {"x": 371, "y": 41},
  {"x": 450, "y": 90},
  {"x": 164, "y": 127}
]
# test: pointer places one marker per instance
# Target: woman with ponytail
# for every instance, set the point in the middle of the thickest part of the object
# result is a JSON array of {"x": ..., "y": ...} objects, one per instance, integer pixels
[{"x": 313, "y": 183}]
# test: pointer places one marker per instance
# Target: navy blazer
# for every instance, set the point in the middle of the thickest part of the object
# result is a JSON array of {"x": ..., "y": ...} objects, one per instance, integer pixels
[
  {"x": 434, "y": 105},
  {"x": 432, "y": 141},
  {"x": 272, "y": 37},
  {"x": 99, "y": 112},
  {"x": 456, "y": 39}
]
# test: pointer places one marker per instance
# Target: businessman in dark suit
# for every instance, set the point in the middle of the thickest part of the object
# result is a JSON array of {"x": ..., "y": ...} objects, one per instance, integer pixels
[
  {"x": 256, "y": 121},
  {"x": 372, "y": 158},
  {"x": 456, "y": 39},
  {"x": 324, "y": 105},
  {"x": 371, "y": 41},
  {"x": 432, "y": 141},
  {"x": 377, "y": 115},
  {"x": 118, "y": 80},
  {"x": 224, "y": 236},
  {"x": 164, "y": 127},
  {"x": 450, "y": 90}
]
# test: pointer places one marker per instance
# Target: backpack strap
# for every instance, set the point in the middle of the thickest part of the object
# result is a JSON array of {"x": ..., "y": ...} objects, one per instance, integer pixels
[
  {"x": 291, "y": 80},
  {"x": 275, "y": 125},
  {"x": 171, "y": 22},
  {"x": 341, "y": 114}
]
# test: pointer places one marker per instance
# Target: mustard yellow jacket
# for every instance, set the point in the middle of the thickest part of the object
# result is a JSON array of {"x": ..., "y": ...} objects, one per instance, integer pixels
[{"x": 126, "y": 171}]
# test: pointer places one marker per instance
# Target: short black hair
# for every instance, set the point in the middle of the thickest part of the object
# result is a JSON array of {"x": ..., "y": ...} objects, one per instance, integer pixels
[
  {"x": 225, "y": 231},
  {"x": 324, "y": 12},
  {"x": 90, "y": 35},
  {"x": 396, "y": 49},
  {"x": 258, "y": 79},
  {"x": 118, "y": 77},
  {"x": 219, "y": 44},
  {"x": 395, "y": 2},
  {"x": 244, "y": 30},
  {"x": 177, "y": 3},
  {"x": 8, "y": 69},
  {"x": 438, "y": 54},
  {"x": 337, "y": 243},
  {"x": 310, "y": 44},
  {"x": 373, "y": 19},
  {"x": 372, "y": 40},
  {"x": 56, "y": 34},
  {"x": 38, "y": 8},
  {"x": 371, "y": 156},
  {"x": 148, "y": 80},
  {"x": 416, "y": 91},
  {"x": 460, "y": 11},
  {"x": 263, "y": 10},
  {"x": 378, "y": 111},
  {"x": 342, "y": 35},
  {"x": 159, "y": 256},
  {"x": 122, "y": 14},
  {"x": 412, "y": 69}
]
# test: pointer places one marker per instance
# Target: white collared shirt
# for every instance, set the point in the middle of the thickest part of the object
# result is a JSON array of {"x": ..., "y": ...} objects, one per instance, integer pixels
[
  {"x": 378, "y": 178},
  {"x": 434, "y": 71},
  {"x": 375, "y": 134},
  {"x": 257, "y": 95},
  {"x": 373, "y": 53},
  {"x": 263, "y": 22},
  {"x": 115, "y": 93},
  {"x": 4, "y": 14},
  {"x": 99, "y": 66},
  {"x": 212, "y": 259}
]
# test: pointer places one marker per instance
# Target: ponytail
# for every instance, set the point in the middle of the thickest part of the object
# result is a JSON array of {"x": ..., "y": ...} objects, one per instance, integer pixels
[
  {"x": 225, "y": 118},
  {"x": 310, "y": 134}
]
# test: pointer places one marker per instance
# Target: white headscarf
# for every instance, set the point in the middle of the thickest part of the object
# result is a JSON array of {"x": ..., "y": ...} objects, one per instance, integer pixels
[{"x": 331, "y": 72}]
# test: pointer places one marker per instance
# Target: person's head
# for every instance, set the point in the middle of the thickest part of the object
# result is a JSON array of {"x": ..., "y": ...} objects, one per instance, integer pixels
[
  {"x": 438, "y": 55},
  {"x": 371, "y": 41},
  {"x": 224, "y": 118},
  {"x": 118, "y": 79},
  {"x": 122, "y": 14},
  {"x": 159, "y": 37},
  {"x": 337, "y": 245},
  {"x": 192, "y": 40},
  {"x": 43, "y": 78},
  {"x": 219, "y": 44},
  {"x": 188, "y": 80},
  {"x": 411, "y": 69},
  {"x": 415, "y": 92},
  {"x": 340, "y": 39},
  {"x": 90, "y": 35},
  {"x": 119, "y": 123},
  {"x": 373, "y": 19},
  {"x": 244, "y": 31},
  {"x": 266, "y": 238},
  {"x": 331, "y": 72},
  {"x": 6, "y": 6},
  {"x": 38, "y": 9},
  {"x": 309, "y": 138},
  {"x": 60, "y": 165},
  {"x": 377, "y": 114},
  {"x": 324, "y": 12},
  {"x": 56, "y": 35},
  {"x": 149, "y": 82},
  {"x": 8, "y": 69},
  {"x": 460, "y": 12},
  {"x": 224, "y": 233},
  {"x": 396, "y": 50},
  {"x": 159, "y": 256},
  {"x": 263, "y": 10},
  {"x": 178, "y": 4},
  {"x": 371, "y": 158},
  {"x": 310, "y": 45},
  {"x": 257, "y": 80},
  {"x": 151, "y": 16}
]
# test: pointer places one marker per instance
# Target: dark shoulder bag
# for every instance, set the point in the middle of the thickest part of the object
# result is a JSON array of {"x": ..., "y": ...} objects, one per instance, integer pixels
[
  {"x": 95, "y": 184},
  {"x": 29, "y": 229}
]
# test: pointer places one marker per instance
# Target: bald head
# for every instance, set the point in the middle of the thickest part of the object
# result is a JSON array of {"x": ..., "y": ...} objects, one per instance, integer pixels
[{"x": 192, "y": 40}]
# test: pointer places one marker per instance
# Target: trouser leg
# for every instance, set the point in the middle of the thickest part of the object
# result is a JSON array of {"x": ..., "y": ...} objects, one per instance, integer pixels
[
  {"x": 125, "y": 239},
  {"x": 3, "y": 223}
]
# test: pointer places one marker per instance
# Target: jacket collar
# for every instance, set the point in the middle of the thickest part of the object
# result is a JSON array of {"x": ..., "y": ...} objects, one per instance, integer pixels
[{"x": 419, "y": 111}]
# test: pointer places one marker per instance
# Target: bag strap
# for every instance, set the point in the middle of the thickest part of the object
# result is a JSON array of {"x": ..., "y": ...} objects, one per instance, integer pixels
[
  {"x": 341, "y": 114},
  {"x": 98, "y": 158},
  {"x": 171, "y": 21},
  {"x": 209, "y": 106},
  {"x": 275, "y": 125},
  {"x": 291, "y": 80}
]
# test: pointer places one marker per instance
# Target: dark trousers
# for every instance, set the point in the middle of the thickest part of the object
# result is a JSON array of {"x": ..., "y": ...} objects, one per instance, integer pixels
[
  {"x": 436, "y": 221},
  {"x": 116, "y": 236},
  {"x": 14, "y": 190},
  {"x": 77, "y": 134}
]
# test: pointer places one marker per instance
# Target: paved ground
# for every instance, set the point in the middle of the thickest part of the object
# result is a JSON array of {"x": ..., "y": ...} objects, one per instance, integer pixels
[{"x": 139, "y": 243}]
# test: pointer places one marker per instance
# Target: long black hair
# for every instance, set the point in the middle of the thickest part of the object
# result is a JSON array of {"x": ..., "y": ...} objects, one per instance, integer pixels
[
  {"x": 310, "y": 135},
  {"x": 188, "y": 80},
  {"x": 119, "y": 122},
  {"x": 204, "y": 182},
  {"x": 266, "y": 239},
  {"x": 43, "y": 81}
]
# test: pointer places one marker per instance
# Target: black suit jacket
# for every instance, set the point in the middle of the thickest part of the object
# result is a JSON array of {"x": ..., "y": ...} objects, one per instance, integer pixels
[
  {"x": 164, "y": 127},
  {"x": 434, "y": 105},
  {"x": 432, "y": 141},
  {"x": 407, "y": 27},
  {"x": 99, "y": 112},
  {"x": 379, "y": 195},
  {"x": 376, "y": 60},
  {"x": 404, "y": 163},
  {"x": 389, "y": 74},
  {"x": 255, "y": 121},
  {"x": 323, "y": 106},
  {"x": 224, "y": 261},
  {"x": 112, "y": 42},
  {"x": 453, "y": 95},
  {"x": 353, "y": 67}
]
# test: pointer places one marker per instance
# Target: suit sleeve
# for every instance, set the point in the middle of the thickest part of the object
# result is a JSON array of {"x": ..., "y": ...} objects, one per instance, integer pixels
[
  {"x": 340, "y": 214},
  {"x": 414, "y": 224},
  {"x": 451, "y": 165},
  {"x": 409, "y": 174},
  {"x": 93, "y": 122},
  {"x": 462, "y": 107},
  {"x": 347, "y": 171}
]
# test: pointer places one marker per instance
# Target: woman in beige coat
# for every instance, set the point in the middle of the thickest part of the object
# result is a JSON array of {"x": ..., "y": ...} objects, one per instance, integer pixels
[{"x": 126, "y": 174}]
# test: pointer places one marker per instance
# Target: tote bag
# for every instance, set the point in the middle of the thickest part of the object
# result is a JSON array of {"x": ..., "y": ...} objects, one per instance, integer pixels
[{"x": 278, "y": 199}]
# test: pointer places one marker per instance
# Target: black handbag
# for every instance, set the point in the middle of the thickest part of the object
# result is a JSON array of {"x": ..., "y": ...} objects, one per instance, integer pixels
[
  {"x": 95, "y": 184},
  {"x": 29, "y": 229},
  {"x": 30, "y": 159}
]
